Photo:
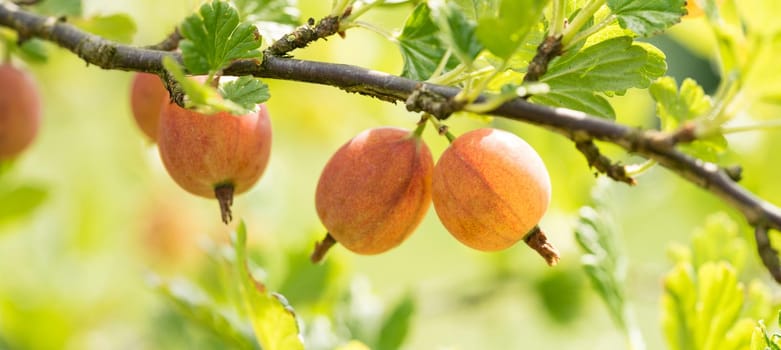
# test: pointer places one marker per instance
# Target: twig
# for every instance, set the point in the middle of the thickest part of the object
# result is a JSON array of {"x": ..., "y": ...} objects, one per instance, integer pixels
[
  {"x": 110, "y": 55},
  {"x": 767, "y": 253},
  {"x": 170, "y": 43},
  {"x": 304, "y": 35}
]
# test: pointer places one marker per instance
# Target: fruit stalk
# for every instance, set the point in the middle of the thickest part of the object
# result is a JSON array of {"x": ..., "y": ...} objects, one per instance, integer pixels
[
  {"x": 537, "y": 240},
  {"x": 322, "y": 247}
]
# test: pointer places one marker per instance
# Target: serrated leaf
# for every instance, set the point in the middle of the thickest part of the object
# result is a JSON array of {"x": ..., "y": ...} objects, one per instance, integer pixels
[
  {"x": 195, "y": 306},
  {"x": 647, "y": 17},
  {"x": 246, "y": 91},
  {"x": 504, "y": 33},
  {"x": 277, "y": 11},
  {"x": 674, "y": 107},
  {"x": 117, "y": 27},
  {"x": 396, "y": 325},
  {"x": 701, "y": 311},
  {"x": 719, "y": 240},
  {"x": 19, "y": 202},
  {"x": 59, "y": 8},
  {"x": 577, "y": 99},
  {"x": 420, "y": 46},
  {"x": 273, "y": 18},
  {"x": 272, "y": 319},
  {"x": 200, "y": 97},
  {"x": 214, "y": 38},
  {"x": 611, "y": 66},
  {"x": 456, "y": 31},
  {"x": 603, "y": 262}
]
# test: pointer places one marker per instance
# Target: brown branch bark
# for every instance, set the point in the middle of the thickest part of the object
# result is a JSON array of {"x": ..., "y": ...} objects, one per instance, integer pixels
[{"x": 575, "y": 125}]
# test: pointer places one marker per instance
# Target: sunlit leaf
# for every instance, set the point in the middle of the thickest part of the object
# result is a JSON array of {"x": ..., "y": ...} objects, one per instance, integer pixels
[
  {"x": 420, "y": 46},
  {"x": 198, "y": 308},
  {"x": 504, "y": 33},
  {"x": 273, "y": 18},
  {"x": 59, "y": 8},
  {"x": 246, "y": 91},
  {"x": 272, "y": 319},
  {"x": 200, "y": 97},
  {"x": 674, "y": 107},
  {"x": 611, "y": 66},
  {"x": 117, "y": 27},
  {"x": 646, "y": 17},
  {"x": 214, "y": 37}
]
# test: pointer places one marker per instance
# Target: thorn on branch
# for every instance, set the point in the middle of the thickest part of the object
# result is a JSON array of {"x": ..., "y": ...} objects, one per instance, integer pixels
[
  {"x": 424, "y": 100},
  {"x": 596, "y": 159},
  {"x": 170, "y": 43},
  {"x": 304, "y": 35},
  {"x": 546, "y": 52},
  {"x": 767, "y": 253}
]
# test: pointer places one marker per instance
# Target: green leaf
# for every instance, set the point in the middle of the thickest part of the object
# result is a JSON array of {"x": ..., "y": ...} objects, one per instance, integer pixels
[
  {"x": 719, "y": 240},
  {"x": 611, "y": 66},
  {"x": 397, "y": 324},
  {"x": 307, "y": 283},
  {"x": 19, "y": 202},
  {"x": 214, "y": 38},
  {"x": 273, "y": 18},
  {"x": 562, "y": 291},
  {"x": 504, "y": 33},
  {"x": 647, "y": 17},
  {"x": 200, "y": 97},
  {"x": 674, "y": 107},
  {"x": 603, "y": 261},
  {"x": 33, "y": 50},
  {"x": 420, "y": 46},
  {"x": 456, "y": 31},
  {"x": 276, "y": 11},
  {"x": 71, "y": 8},
  {"x": 246, "y": 91},
  {"x": 117, "y": 27},
  {"x": 194, "y": 305},
  {"x": 701, "y": 311},
  {"x": 272, "y": 319},
  {"x": 577, "y": 99}
]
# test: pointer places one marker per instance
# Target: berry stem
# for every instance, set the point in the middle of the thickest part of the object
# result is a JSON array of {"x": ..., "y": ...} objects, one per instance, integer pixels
[
  {"x": 537, "y": 240},
  {"x": 322, "y": 247},
  {"x": 224, "y": 194}
]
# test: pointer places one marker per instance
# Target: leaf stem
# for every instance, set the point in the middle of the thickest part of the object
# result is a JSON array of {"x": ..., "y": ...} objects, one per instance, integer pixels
[
  {"x": 442, "y": 64},
  {"x": 763, "y": 125},
  {"x": 583, "y": 35},
  {"x": 580, "y": 20},
  {"x": 361, "y": 10},
  {"x": 557, "y": 18},
  {"x": 635, "y": 170},
  {"x": 382, "y": 32},
  {"x": 442, "y": 129}
]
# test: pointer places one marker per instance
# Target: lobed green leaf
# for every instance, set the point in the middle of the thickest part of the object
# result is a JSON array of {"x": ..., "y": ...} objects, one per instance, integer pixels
[
  {"x": 647, "y": 17},
  {"x": 674, "y": 107},
  {"x": 273, "y": 18},
  {"x": 611, "y": 66},
  {"x": 213, "y": 38},
  {"x": 456, "y": 31},
  {"x": 200, "y": 97},
  {"x": 421, "y": 48},
  {"x": 246, "y": 91}
]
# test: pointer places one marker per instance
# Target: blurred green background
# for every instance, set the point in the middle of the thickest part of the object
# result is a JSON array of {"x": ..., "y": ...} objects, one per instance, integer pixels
[{"x": 75, "y": 273}]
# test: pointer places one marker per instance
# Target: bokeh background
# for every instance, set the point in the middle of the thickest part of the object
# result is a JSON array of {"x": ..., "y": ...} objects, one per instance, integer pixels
[{"x": 75, "y": 273}]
